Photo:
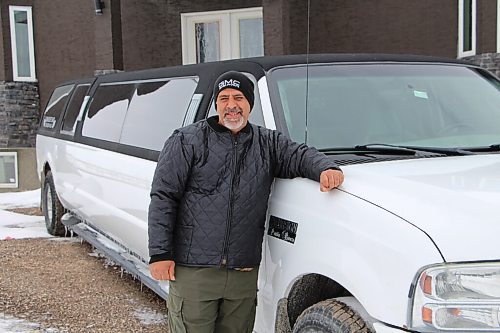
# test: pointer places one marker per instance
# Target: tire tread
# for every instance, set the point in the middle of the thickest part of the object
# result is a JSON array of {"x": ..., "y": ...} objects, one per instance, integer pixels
[{"x": 331, "y": 316}]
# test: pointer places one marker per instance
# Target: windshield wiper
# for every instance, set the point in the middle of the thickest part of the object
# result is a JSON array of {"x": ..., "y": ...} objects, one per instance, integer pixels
[
  {"x": 493, "y": 147},
  {"x": 388, "y": 148},
  {"x": 383, "y": 148}
]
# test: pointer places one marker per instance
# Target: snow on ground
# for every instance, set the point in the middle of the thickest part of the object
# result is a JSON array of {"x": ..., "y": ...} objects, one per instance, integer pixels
[
  {"x": 25, "y": 199},
  {"x": 13, "y": 225},
  {"x": 9, "y": 324}
]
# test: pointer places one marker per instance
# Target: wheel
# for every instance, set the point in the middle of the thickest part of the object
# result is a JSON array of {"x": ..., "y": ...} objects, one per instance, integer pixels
[
  {"x": 330, "y": 316},
  {"x": 52, "y": 208}
]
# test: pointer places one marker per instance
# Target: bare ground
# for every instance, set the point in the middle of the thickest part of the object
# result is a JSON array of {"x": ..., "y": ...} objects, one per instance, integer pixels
[{"x": 61, "y": 285}]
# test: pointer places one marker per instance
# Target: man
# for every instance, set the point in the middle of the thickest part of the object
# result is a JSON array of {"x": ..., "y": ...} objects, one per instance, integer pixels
[{"x": 208, "y": 207}]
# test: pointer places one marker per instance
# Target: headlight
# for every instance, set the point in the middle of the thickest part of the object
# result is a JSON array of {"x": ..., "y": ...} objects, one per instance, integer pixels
[{"x": 456, "y": 297}]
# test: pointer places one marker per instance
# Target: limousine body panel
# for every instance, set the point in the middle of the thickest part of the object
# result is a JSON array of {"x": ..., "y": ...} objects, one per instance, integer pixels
[
  {"x": 110, "y": 198},
  {"x": 345, "y": 247}
]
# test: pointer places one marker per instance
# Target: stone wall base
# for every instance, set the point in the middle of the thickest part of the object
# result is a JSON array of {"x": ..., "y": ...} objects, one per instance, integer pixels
[
  {"x": 19, "y": 114},
  {"x": 489, "y": 61},
  {"x": 99, "y": 72}
]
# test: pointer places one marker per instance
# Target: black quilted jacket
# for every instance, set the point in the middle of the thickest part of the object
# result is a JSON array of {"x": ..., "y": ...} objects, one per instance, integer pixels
[{"x": 210, "y": 192}]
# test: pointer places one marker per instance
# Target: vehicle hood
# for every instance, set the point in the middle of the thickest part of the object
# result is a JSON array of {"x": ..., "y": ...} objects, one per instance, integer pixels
[{"x": 455, "y": 200}]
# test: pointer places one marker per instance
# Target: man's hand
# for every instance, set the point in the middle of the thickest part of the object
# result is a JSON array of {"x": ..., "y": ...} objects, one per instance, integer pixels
[
  {"x": 163, "y": 270},
  {"x": 330, "y": 179}
]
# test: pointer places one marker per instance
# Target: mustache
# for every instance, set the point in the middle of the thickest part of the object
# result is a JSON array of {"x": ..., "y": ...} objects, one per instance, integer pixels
[{"x": 233, "y": 110}]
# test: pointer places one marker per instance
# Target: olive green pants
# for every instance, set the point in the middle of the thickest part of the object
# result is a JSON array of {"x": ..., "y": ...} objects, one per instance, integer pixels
[{"x": 212, "y": 300}]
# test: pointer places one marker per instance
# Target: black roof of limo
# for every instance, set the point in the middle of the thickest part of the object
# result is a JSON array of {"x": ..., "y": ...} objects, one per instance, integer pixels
[{"x": 262, "y": 64}]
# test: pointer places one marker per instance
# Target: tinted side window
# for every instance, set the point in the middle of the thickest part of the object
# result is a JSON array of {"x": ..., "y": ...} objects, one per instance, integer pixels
[
  {"x": 74, "y": 107},
  {"x": 156, "y": 110},
  {"x": 107, "y": 111},
  {"x": 55, "y": 106}
]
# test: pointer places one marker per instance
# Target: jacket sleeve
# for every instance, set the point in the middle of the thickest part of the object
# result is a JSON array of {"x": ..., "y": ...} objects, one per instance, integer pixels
[
  {"x": 167, "y": 189},
  {"x": 294, "y": 159}
]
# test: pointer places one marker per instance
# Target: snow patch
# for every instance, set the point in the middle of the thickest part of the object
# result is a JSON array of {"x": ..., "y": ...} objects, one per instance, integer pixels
[
  {"x": 27, "y": 199},
  {"x": 10, "y": 324},
  {"x": 14, "y": 225},
  {"x": 149, "y": 316}
]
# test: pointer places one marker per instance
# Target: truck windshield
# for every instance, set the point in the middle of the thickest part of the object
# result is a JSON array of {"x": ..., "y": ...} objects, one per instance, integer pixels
[{"x": 413, "y": 105}]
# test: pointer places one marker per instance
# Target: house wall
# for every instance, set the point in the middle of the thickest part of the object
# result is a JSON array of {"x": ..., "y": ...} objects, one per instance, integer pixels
[
  {"x": 19, "y": 114},
  {"x": 26, "y": 172},
  {"x": 489, "y": 61},
  {"x": 486, "y": 26},
  {"x": 64, "y": 42},
  {"x": 385, "y": 26},
  {"x": 285, "y": 26},
  {"x": 151, "y": 29}
]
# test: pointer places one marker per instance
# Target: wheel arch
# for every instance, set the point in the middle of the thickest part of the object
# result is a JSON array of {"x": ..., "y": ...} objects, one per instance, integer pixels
[
  {"x": 43, "y": 173},
  {"x": 310, "y": 289},
  {"x": 307, "y": 290}
]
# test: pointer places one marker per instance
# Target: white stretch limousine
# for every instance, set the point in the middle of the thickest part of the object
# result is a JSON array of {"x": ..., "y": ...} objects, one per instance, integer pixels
[{"x": 409, "y": 243}]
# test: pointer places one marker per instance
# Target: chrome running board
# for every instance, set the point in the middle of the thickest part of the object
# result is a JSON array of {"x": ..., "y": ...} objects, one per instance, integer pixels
[{"x": 129, "y": 261}]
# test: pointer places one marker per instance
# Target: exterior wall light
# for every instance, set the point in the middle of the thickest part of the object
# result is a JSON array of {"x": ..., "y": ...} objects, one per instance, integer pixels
[{"x": 99, "y": 5}]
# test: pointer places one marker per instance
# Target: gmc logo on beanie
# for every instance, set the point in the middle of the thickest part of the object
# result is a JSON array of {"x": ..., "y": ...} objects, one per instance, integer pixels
[{"x": 229, "y": 83}]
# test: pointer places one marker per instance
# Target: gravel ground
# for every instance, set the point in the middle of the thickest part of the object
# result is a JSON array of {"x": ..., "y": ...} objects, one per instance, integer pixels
[{"x": 62, "y": 285}]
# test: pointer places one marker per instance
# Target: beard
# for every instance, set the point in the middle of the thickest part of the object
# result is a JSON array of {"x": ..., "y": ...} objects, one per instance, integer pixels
[{"x": 233, "y": 123}]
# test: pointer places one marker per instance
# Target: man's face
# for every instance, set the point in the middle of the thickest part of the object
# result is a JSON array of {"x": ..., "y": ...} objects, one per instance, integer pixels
[{"x": 233, "y": 109}]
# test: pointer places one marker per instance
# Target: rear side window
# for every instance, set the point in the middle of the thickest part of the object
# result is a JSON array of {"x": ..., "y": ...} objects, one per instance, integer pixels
[
  {"x": 73, "y": 108},
  {"x": 55, "y": 106},
  {"x": 156, "y": 110},
  {"x": 107, "y": 111}
]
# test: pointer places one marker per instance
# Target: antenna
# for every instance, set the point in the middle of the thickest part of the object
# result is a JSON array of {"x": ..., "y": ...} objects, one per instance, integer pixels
[{"x": 307, "y": 60}]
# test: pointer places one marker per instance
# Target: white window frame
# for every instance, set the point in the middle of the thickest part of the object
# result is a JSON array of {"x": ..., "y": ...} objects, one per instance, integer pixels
[
  {"x": 16, "y": 184},
  {"x": 228, "y": 30},
  {"x": 29, "y": 15},
  {"x": 461, "y": 52}
]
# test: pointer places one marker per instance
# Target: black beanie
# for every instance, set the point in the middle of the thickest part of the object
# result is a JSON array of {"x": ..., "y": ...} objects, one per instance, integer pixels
[{"x": 235, "y": 80}]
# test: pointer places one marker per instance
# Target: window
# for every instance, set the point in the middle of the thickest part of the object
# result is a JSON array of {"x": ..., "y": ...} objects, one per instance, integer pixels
[
  {"x": 221, "y": 35},
  {"x": 55, "y": 106},
  {"x": 466, "y": 28},
  {"x": 73, "y": 109},
  {"x": 156, "y": 110},
  {"x": 8, "y": 170},
  {"x": 21, "y": 37},
  {"x": 421, "y": 105},
  {"x": 107, "y": 111}
]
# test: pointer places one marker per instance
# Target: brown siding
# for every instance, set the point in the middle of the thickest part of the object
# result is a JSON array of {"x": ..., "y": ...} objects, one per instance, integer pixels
[
  {"x": 64, "y": 42},
  {"x": 385, "y": 26},
  {"x": 152, "y": 29},
  {"x": 486, "y": 26},
  {"x": 285, "y": 26},
  {"x": 108, "y": 37}
]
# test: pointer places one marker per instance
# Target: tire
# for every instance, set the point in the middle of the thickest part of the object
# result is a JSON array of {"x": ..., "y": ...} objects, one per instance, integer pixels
[
  {"x": 330, "y": 316},
  {"x": 52, "y": 208}
]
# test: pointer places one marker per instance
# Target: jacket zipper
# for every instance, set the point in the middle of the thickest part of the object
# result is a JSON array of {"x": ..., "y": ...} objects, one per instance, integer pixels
[{"x": 230, "y": 210}]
